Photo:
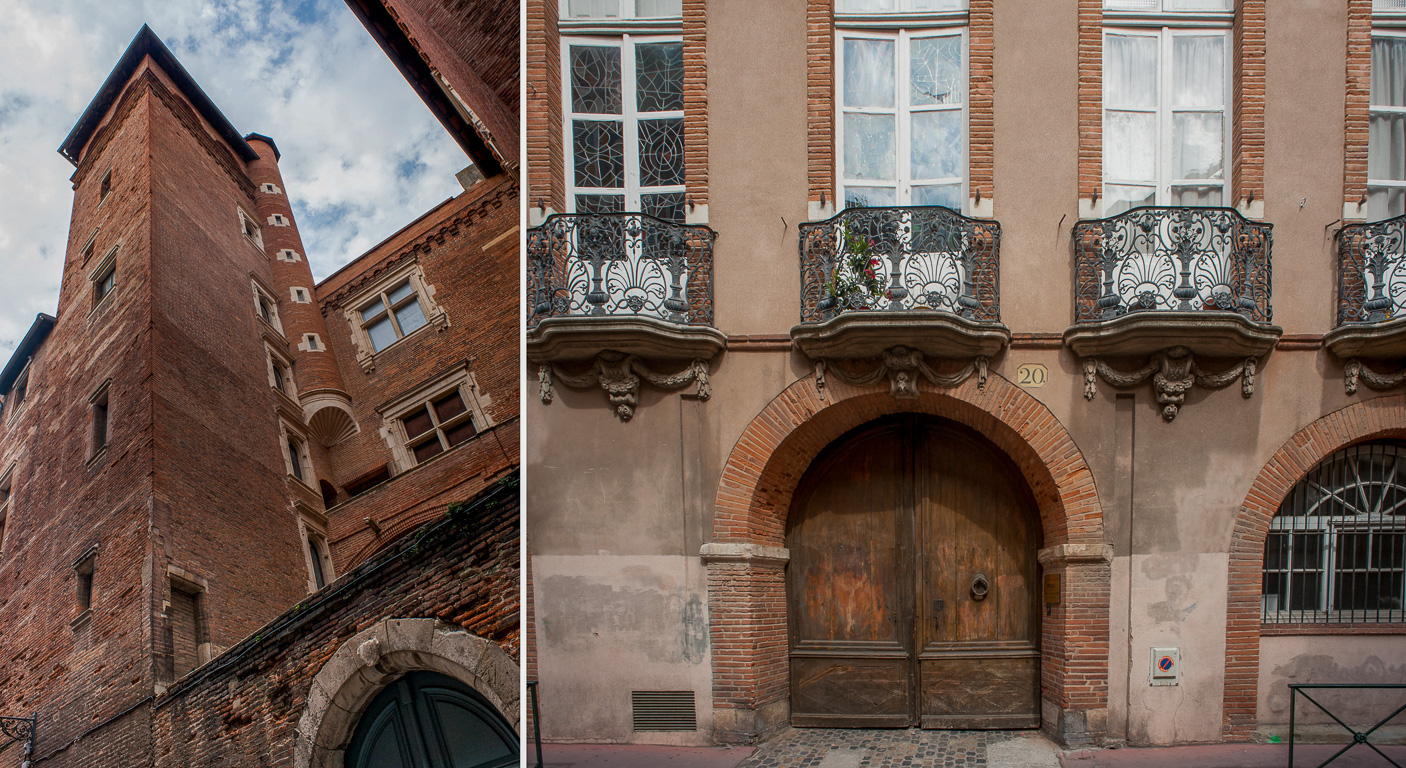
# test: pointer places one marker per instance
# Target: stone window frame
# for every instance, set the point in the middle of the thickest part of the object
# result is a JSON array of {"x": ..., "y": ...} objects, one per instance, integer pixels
[
  {"x": 270, "y": 188},
  {"x": 263, "y": 293},
  {"x": 84, "y": 568},
  {"x": 435, "y": 315},
  {"x": 312, "y": 343},
  {"x": 198, "y": 588},
  {"x": 291, "y": 436},
  {"x": 299, "y": 295},
  {"x": 460, "y": 377},
  {"x": 98, "y": 275},
  {"x": 312, "y": 532},
  {"x": 105, "y": 188},
  {"x": 289, "y": 255},
  {"x": 101, "y": 433},
  {"x": 279, "y": 220},
  {"x": 249, "y": 227},
  {"x": 7, "y": 485},
  {"x": 281, "y": 362},
  {"x": 89, "y": 247}
]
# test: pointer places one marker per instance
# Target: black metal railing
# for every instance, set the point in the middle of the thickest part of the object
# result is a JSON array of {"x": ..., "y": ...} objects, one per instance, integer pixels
[
  {"x": 1372, "y": 271},
  {"x": 1174, "y": 259},
  {"x": 1358, "y": 737},
  {"x": 900, "y": 259},
  {"x": 536, "y": 722},
  {"x": 620, "y": 264}
]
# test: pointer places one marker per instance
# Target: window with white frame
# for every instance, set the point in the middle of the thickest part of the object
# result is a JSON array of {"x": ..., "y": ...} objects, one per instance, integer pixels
[
  {"x": 397, "y": 305},
  {"x": 280, "y": 370},
  {"x": 312, "y": 528},
  {"x": 902, "y": 120},
  {"x": 1386, "y": 137},
  {"x": 1336, "y": 549},
  {"x": 266, "y": 306},
  {"x": 295, "y": 453},
  {"x": 392, "y": 314},
  {"x": 620, "y": 9},
  {"x": 624, "y": 125},
  {"x": 1166, "y": 126},
  {"x": 250, "y": 227}
]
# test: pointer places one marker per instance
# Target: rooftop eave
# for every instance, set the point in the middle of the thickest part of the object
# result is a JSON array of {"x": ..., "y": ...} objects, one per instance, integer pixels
[
  {"x": 38, "y": 332},
  {"x": 145, "y": 44}
]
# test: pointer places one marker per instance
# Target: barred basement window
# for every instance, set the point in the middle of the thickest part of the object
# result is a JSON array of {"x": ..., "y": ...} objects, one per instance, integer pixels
[{"x": 1336, "y": 550}]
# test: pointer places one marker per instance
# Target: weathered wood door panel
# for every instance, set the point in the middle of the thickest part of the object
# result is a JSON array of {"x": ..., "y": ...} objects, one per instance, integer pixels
[{"x": 912, "y": 582}]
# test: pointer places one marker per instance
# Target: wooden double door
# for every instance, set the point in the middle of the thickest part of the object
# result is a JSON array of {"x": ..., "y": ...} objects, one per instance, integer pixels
[{"x": 912, "y": 584}]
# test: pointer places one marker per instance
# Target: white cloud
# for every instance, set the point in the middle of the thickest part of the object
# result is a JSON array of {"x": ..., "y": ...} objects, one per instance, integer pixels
[{"x": 304, "y": 72}]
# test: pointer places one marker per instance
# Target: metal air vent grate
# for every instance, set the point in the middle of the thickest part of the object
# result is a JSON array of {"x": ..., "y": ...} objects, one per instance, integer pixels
[{"x": 663, "y": 711}]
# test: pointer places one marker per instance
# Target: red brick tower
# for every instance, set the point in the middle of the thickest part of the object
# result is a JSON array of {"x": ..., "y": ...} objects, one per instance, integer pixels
[{"x": 161, "y": 474}]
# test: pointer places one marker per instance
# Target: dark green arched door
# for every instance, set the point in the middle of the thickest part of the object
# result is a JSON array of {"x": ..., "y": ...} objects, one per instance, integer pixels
[{"x": 428, "y": 720}]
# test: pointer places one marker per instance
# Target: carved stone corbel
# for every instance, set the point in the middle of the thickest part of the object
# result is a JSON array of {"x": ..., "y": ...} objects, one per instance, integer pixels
[
  {"x": 619, "y": 375},
  {"x": 902, "y": 366},
  {"x": 1356, "y": 369},
  {"x": 1174, "y": 372}
]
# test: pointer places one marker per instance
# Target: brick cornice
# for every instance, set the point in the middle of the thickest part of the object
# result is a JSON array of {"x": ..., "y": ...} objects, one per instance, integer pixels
[{"x": 1380, "y": 417}]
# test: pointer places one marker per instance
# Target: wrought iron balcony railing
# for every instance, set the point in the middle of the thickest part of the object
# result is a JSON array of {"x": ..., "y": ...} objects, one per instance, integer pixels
[
  {"x": 1372, "y": 271},
  {"x": 620, "y": 265},
  {"x": 900, "y": 259},
  {"x": 1172, "y": 259}
]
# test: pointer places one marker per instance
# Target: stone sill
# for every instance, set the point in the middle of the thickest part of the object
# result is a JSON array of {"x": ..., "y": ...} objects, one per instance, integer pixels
[
  {"x": 1372, "y": 340},
  {"x": 864, "y": 334},
  {"x": 1206, "y": 334},
  {"x": 557, "y": 339}
]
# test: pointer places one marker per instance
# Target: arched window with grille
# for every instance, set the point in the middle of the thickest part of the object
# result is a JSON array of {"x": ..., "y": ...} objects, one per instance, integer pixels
[{"x": 1336, "y": 549}]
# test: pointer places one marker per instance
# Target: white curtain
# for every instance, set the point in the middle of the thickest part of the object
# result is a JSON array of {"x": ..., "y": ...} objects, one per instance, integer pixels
[
  {"x": 658, "y": 8},
  {"x": 1130, "y": 71},
  {"x": 1198, "y": 71}
]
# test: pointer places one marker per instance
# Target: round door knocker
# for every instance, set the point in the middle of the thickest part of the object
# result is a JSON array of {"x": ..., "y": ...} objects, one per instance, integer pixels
[{"x": 980, "y": 586}]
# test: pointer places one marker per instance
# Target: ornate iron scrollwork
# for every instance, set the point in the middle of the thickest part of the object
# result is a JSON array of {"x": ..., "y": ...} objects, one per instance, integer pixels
[
  {"x": 900, "y": 259},
  {"x": 1174, "y": 259},
  {"x": 19, "y": 729},
  {"x": 619, "y": 375},
  {"x": 619, "y": 264},
  {"x": 902, "y": 366},
  {"x": 1173, "y": 373},
  {"x": 1371, "y": 288}
]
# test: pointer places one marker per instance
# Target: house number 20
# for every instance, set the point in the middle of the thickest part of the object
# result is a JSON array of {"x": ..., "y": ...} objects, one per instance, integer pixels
[{"x": 1031, "y": 375}]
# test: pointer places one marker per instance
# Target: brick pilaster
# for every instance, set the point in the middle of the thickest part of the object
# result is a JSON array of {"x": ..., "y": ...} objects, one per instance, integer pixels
[
  {"x": 1356, "y": 102},
  {"x": 695, "y": 100},
  {"x": 1247, "y": 87},
  {"x": 546, "y": 169}
]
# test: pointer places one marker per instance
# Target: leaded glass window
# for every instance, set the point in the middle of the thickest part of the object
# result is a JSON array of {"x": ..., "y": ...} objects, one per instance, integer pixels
[
  {"x": 1386, "y": 137},
  {"x": 1165, "y": 127},
  {"x": 620, "y": 9},
  {"x": 1336, "y": 549},
  {"x": 625, "y": 126},
  {"x": 902, "y": 120}
]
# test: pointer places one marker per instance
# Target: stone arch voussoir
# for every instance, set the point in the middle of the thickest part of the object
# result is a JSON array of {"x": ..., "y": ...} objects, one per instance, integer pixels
[{"x": 375, "y": 657}]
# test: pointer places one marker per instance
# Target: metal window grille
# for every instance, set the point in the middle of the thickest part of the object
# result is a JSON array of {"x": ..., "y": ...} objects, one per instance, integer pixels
[{"x": 1336, "y": 549}]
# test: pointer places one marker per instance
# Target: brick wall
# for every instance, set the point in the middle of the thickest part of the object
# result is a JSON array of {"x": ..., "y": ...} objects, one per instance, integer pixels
[
  {"x": 244, "y": 708},
  {"x": 1357, "y": 99},
  {"x": 546, "y": 169},
  {"x": 695, "y": 100}
]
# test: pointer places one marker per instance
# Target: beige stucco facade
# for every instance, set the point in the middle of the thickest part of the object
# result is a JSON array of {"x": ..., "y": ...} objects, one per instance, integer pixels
[{"x": 619, "y": 511}]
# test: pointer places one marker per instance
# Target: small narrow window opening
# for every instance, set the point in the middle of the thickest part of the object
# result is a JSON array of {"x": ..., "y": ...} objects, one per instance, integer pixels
[
  {"x": 295, "y": 457},
  {"x": 312, "y": 342},
  {"x": 4, "y": 507},
  {"x": 100, "y": 421},
  {"x": 185, "y": 628},
  {"x": 85, "y": 583},
  {"x": 106, "y": 187},
  {"x": 105, "y": 284},
  {"x": 280, "y": 376},
  {"x": 315, "y": 555}
]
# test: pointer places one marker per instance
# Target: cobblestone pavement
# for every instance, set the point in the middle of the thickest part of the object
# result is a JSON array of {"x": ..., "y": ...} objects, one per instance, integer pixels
[{"x": 845, "y": 748}]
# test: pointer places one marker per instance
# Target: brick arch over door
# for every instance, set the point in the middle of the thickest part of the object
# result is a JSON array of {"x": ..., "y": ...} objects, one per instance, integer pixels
[
  {"x": 1368, "y": 420},
  {"x": 747, "y": 592}
]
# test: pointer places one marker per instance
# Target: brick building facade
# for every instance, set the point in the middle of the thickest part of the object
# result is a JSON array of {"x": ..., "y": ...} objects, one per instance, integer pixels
[
  {"x": 241, "y": 507},
  {"x": 1040, "y": 231}
]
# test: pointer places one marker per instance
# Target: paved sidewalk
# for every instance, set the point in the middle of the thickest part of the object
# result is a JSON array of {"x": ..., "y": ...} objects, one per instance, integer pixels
[
  {"x": 635, "y": 756},
  {"x": 1232, "y": 756}
]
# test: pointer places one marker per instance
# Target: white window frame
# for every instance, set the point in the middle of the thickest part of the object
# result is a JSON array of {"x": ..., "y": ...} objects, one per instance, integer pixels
[
  {"x": 1373, "y": 109},
  {"x": 289, "y": 434},
  {"x": 625, "y": 11},
  {"x": 629, "y": 117},
  {"x": 247, "y": 221},
  {"x": 263, "y": 293},
  {"x": 277, "y": 358},
  {"x": 1163, "y": 9},
  {"x": 902, "y": 111},
  {"x": 435, "y": 316},
  {"x": 392, "y": 414},
  {"x": 1164, "y": 33}
]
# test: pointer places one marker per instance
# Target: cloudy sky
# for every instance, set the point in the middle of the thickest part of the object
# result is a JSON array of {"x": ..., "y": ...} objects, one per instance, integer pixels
[{"x": 362, "y": 155}]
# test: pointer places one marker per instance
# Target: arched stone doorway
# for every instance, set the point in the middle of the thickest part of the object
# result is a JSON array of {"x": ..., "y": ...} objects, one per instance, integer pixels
[{"x": 747, "y": 557}]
